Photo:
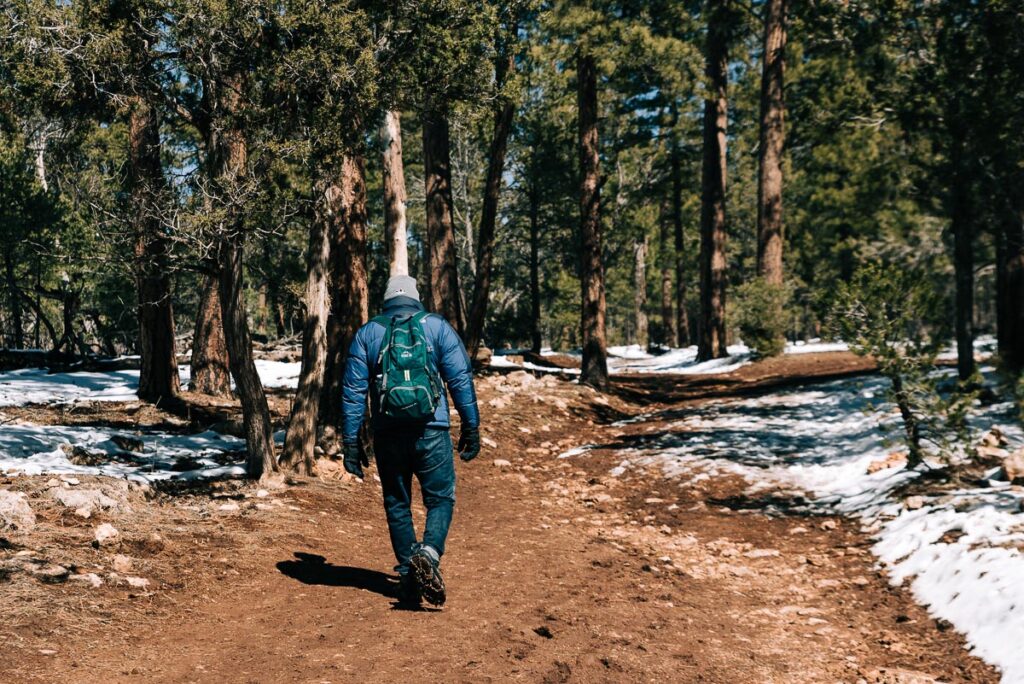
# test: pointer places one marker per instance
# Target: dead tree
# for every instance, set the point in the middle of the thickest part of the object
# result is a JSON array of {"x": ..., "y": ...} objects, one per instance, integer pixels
[{"x": 393, "y": 174}]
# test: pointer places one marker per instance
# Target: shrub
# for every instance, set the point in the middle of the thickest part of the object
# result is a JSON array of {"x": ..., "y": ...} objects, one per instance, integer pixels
[
  {"x": 883, "y": 313},
  {"x": 761, "y": 312}
]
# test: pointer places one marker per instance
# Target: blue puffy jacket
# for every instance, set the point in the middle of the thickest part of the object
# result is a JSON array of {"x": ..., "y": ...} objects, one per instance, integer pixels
[{"x": 448, "y": 356}]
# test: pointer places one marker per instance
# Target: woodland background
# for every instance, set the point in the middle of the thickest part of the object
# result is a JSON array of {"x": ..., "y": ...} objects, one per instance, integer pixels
[{"x": 191, "y": 176}]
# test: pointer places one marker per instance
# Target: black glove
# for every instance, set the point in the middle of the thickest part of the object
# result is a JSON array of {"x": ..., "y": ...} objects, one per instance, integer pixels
[
  {"x": 355, "y": 459},
  {"x": 469, "y": 443}
]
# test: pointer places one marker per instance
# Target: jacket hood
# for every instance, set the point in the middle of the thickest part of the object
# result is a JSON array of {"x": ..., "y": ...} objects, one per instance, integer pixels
[{"x": 401, "y": 305}]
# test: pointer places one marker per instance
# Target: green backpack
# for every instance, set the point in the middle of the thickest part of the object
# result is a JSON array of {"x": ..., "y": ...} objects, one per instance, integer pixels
[{"x": 408, "y": 387}]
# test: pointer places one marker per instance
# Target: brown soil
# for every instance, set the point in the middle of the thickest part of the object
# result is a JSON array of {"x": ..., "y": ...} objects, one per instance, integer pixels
[{"x": 556, "y": 572}]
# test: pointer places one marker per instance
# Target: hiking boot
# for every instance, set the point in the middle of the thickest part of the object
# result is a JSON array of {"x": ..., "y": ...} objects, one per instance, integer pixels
[
  {"x": 424, "y": 570},
  {"x": 408, "y": 591}
]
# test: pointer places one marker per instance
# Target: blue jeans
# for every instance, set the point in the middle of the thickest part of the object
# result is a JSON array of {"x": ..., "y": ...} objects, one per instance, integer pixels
[{"x": 426, "y": 453}]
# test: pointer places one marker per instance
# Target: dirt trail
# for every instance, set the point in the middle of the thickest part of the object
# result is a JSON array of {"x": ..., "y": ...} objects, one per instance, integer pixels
[{"x": 556, "y": 573}]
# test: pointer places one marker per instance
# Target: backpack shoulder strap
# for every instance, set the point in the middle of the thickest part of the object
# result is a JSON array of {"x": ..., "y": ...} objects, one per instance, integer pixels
[{"x": 385, "y": 341}]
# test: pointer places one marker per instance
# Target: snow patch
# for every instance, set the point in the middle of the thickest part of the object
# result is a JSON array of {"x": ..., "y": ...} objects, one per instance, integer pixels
[
  {"x": 682, "y": 361},
  {"x": 503, "y": 362},
  {"x": 41, "y": 449},
  {"x": 961, "y": 552},
  {"x": 38, "y": 386},
  {"x": 576, "y": 451}
]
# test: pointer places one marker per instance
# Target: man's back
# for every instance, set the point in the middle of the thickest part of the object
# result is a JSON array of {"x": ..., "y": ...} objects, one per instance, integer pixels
[{"x": 446, "y": 353}]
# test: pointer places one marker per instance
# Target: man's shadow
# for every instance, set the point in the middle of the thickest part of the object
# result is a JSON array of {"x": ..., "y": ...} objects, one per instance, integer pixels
[{"x": 311, "y": 568}]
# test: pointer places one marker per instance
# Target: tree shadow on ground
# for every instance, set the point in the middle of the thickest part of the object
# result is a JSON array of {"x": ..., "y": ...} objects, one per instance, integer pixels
[{"x": 311, "y": 568}]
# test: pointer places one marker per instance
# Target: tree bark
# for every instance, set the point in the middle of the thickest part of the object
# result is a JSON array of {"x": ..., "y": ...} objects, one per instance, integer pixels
[
  {"x": 393, "y": 173},
  {"x": 682, "y": 324},
  {"x": 503, "y": 113},
  {"x": 772, "y": 138},
  {"x": 640, "y": 290},
  {"x": 158, "y": 374},
  {"x": 300, "y": 440},
  {"x": 712, "y": 333},
  {"x": 229, "y": 171},
  {"x": 209, "y": 365},
  {"x": 592, "y": 315},
  {"x": 445, "y": 297},
  {"x": 535, "y": 331},
  {"x": 259, "y": 441},
  {"x": 345, "y": 205},
  {"x": 668, "y": 323}
]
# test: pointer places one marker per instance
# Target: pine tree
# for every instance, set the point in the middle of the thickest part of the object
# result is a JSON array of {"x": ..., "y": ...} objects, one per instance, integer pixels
[
  {"x": 595, "y": 346},
  {"x": 712, "y": 329}
]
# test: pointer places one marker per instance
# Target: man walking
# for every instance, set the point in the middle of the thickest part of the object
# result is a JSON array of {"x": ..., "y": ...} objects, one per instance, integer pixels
[{"x": 401, "y": 359}]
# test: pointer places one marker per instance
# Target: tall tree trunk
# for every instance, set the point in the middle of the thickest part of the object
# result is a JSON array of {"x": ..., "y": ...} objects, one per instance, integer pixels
[
  {"x": 772, "y": 138},
  {"x": 535, "y": 332},
  {"x": 445, "y": 297},
  {"x": 668, "y": 324},
  {"x": 640, "y": 290},
  {"x": 1010, "y": 295},
  {"x": 209, "y": 365},
  {"x": 1001, "y": 32},
  {"x": 712, "y": 334},
  {"x": 229, "y": 168},
  {"x": 345, "y": 204},
  {"x": 393, "y": 172},
  {"x": 158, "y": 374},
  {"x": 595, "y": 352},
  {"x": 259, "y": 441},
  {"x": 503, "y": 113},
  {"x": 682, "y": 326},
  {"x": 14, "y": 298},
  {"x": 963, "y": 255},
  {"x": 300, "y": 440}
]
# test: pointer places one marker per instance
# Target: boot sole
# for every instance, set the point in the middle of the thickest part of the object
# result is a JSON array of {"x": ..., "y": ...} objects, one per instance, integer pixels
[{"x": 430, "y": 583}]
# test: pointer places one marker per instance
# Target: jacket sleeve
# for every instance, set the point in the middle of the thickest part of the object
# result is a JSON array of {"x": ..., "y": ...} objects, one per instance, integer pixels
[
  {"x": 457, "y": 374},
  {"x": 355, "y": 386}
]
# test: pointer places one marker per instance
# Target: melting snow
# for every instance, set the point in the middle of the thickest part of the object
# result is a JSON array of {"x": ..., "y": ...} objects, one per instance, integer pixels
[
  {"x": 501, "y": 361},
  {"x": 38, "y": 386},
  {"x": 819, "y": 441},
  {"x": 38, "y": 450},
  {"x": 683, "y": 361}
]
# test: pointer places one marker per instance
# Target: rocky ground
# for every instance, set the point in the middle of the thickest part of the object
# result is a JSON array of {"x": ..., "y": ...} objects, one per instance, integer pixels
[{"x": 557, "y": 570}]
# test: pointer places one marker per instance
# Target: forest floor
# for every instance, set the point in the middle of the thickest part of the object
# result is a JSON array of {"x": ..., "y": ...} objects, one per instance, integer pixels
[{"x": 556, "y": 571}]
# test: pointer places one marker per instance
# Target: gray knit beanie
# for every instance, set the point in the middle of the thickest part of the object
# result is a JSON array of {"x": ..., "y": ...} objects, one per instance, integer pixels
[{"x": 401, "y": 286}]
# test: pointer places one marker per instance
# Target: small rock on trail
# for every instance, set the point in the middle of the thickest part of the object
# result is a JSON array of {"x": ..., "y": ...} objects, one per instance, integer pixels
[
  {"x": 90, "y": 578},
  {"x": 85, "y": 502},
  {"x": 15, "y": 511},
  {"x": 105, "y": 533},
  {"x": 45, "y": 571},
  {"x": 1013, "y": 466},
  {"x": 137, "y": 582},
  {"x": 122, "y": 563}
]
